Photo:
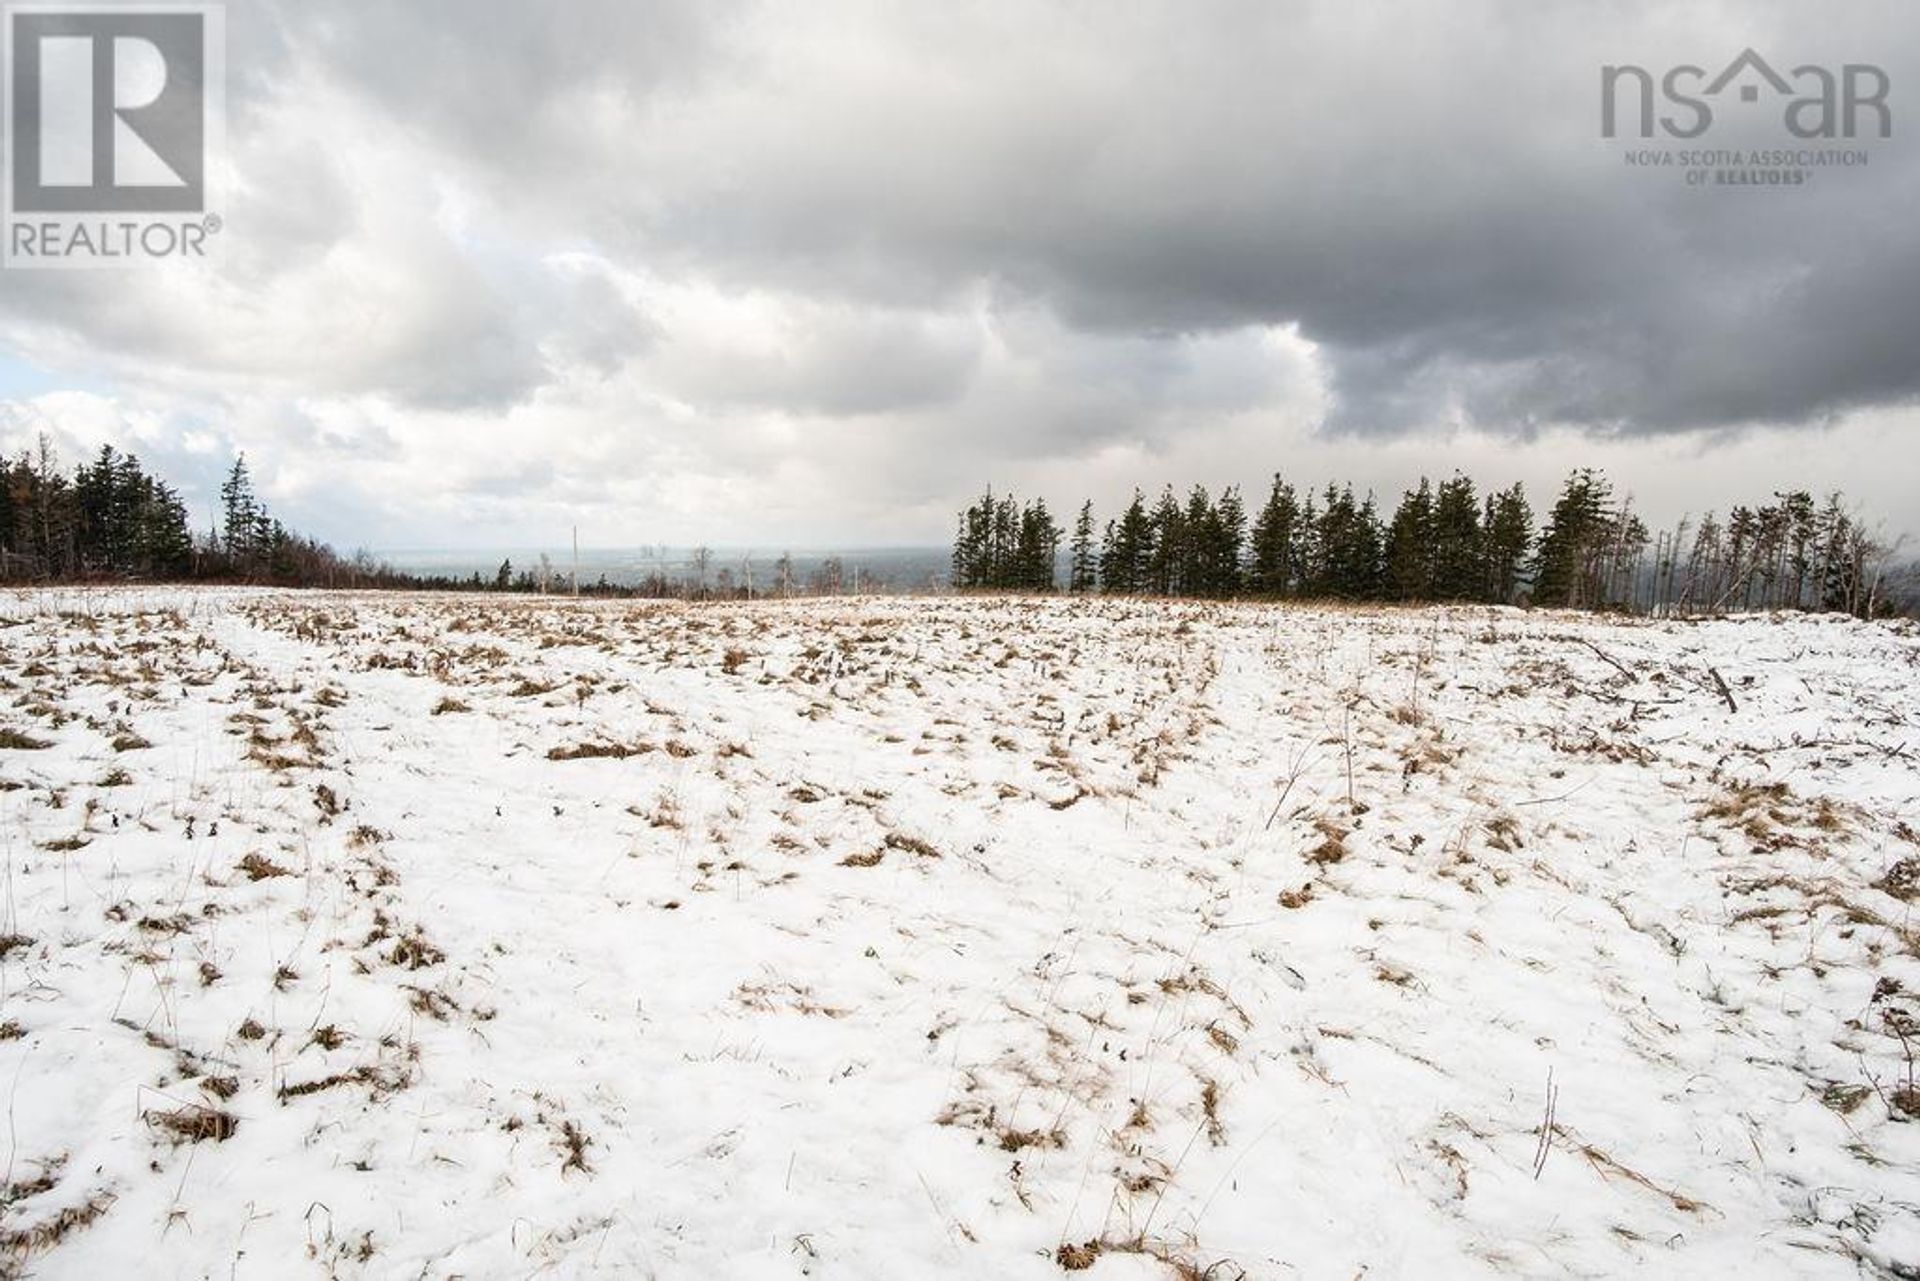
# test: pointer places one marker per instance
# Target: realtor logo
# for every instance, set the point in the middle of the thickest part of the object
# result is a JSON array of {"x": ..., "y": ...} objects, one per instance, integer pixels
[{"x": 112, "y": 114}]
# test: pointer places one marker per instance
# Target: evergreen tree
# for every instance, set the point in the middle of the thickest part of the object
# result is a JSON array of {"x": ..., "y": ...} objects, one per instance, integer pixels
[
  {"x": 1167, "y": 556},
  {"x": 162, "y": 543},
  {"x": 1037, "y": 552},
  {"x": 1409, "y": 554},
  {"x": 1127, "y": 556},
  {"x": 1004, "y": 547},
  {"x": 1227, "y": 538},
  {"x": 1575, "y": 537},
  {"x": 1083, "y": 569},
  {"x": 1346, "y": 547},
  {"x": 1276, "y": 543},
  {"x": 241, "y": 517},
  {"x": 10, "y": 515},
  {"x": 1509, "y": 534},
  {"x": 1192, "y": 574},
  {"x": 1367, "y": 569},
  {"x": 1458, "y": 559}
]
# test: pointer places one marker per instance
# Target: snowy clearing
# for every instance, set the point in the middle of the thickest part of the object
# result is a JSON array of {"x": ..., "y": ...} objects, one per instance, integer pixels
[{"x": 388, "y": 936}]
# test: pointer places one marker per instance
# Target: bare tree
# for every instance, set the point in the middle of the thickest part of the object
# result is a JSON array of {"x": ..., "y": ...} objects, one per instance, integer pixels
[{"x": 702, "y": 562}]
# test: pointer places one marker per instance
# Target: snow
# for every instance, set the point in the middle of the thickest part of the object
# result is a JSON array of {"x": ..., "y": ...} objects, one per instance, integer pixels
[{"x": 947, "y": 937}]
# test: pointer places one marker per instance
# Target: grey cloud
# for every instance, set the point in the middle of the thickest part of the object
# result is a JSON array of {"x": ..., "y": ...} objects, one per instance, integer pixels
[
  {"x": 1422, "y": 192},
  {"x": 1005, "y": 231},
  {"x": 1446, "y": 223},
  {"x": 832, "y": 360}
]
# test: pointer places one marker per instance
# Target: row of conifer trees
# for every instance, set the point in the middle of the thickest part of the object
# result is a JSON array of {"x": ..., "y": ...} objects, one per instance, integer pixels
[{"x": 1444, "y": 542}]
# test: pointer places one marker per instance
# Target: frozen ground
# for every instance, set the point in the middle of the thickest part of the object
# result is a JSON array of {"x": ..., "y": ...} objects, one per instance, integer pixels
[{"x": 382, "y": 936}]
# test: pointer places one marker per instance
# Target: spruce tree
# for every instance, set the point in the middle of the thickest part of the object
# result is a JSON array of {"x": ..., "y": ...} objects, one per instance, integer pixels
[
  {"x": 1127, "y": 557},
  {"x": 1083, "y": 570},
  {"x": 1275, "y": 543},
  {"x": 1193, "y": 575},
  {"x": 1409, "y": 552},
  {"x": 1574, "y": 540},
  {"x": 1038, "y": 547},
  {"x": 1169, "y": 545},
  {"x": 1459, "y": 553},
  {"x": 1229, "y": 539},
  {"x": 1509, "y": 535},
  {"x": 240, "y": 516}
]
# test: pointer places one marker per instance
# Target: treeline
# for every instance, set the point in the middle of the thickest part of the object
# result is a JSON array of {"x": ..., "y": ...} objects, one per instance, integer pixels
[
  {"x": 1445, "y": 542},
  {"x": 702, "y": 580},
  {"x": 110, "y": 519}
]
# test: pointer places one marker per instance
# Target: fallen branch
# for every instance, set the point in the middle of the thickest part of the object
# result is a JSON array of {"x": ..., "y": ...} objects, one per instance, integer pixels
[
  {"x": 1721, "y": 682},
  {"x": 1607, "y": 658}
]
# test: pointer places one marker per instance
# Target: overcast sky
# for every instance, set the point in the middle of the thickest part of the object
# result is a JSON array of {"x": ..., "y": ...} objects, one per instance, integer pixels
[{"x": 813, "y": 274}]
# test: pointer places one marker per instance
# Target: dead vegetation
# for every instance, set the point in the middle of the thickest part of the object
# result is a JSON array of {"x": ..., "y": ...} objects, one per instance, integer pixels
[
  {"x": 258, "y": 867},
  {"x": 599, "y": 751},
  {"x": 193, "y": 1123},
  {"x": 1119, "y": 813}
]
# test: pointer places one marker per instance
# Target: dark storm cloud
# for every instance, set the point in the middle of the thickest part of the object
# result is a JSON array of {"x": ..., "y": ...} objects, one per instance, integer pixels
[
  {"x": 1422, "y": 190},
  {"x": 707, "y": 237}
]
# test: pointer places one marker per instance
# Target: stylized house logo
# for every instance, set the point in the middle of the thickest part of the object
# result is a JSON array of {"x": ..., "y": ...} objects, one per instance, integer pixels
[
  {"x": 1820, "y": 103},
  {"x": 1748, "y": 61},
  {"x": 107, "y": 110}
]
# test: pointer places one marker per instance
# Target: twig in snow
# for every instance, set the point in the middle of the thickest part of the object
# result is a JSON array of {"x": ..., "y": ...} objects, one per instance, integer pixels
[
  {"x": 1293, "y": 776},
  {"x": 1546, "y": 1127},
  {"x": 1542, "y": 800},
  {"x": 1346, "y": 738},
  {"x": 1607, "y": 658}
]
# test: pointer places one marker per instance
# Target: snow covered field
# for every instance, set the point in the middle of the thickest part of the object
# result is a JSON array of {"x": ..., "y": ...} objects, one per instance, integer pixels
[{"x": 383, "y": 936}]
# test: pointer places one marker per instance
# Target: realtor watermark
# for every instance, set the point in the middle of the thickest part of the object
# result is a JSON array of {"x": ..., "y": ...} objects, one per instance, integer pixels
[
  {"x": 1790, "y": 126},
  {"x": 114, "y": 117}
]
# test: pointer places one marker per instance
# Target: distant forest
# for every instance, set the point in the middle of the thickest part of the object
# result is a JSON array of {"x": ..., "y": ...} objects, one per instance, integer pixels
[
  {"x": 110, "y": 520},
  {"x": 1443, "y": 543}
]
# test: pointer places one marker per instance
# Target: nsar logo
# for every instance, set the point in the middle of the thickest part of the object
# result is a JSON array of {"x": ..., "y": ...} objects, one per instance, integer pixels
[{"x": 1820, "y": 103}]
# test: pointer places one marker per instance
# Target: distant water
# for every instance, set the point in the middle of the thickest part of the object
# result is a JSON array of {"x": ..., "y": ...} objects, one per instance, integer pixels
[{"x": 898, "y": 568}]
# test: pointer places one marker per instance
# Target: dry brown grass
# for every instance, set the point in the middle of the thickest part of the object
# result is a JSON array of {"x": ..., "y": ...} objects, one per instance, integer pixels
[
  {"x": 911, "y": 845},
  {"x": 599, "y": 751},
  {"x": 1333, "y": 843},
  {"x": 194, "y": 1124},
  {"x": 415, "y": 951},
  {"x": 573, "y": 1145},
  {"x": 258, "y": 867},
  {"x": 1902, "y": 880},
  {"x": 381, "y": 1080},
  {"x": 19, "y": 1243}
]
